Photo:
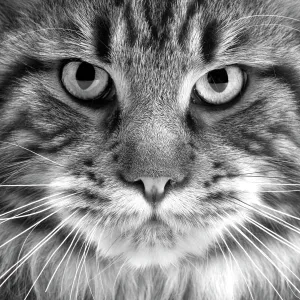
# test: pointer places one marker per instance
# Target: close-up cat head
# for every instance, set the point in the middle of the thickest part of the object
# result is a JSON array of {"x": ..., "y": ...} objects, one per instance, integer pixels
[{"x": 149, "y": 150}]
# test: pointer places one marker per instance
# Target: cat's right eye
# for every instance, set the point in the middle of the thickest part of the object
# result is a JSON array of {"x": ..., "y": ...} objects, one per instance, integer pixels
[{"x": 85, "y": 81}]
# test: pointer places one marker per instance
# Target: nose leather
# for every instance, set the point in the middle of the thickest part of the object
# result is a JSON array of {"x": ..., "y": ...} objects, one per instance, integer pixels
[{"x": 154, "y": 187}]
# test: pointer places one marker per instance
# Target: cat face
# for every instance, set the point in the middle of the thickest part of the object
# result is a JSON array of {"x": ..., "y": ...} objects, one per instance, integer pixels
[{"x": 156, "y": 131}]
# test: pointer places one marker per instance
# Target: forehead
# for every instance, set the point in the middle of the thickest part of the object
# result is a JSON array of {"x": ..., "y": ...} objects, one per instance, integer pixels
[{"x": 183, "y": 28}]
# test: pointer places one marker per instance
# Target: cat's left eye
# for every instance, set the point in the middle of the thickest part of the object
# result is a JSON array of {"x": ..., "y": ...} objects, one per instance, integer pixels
[
  {"x": 85, "y": 81},
  {"x": 219, "y": 86}
]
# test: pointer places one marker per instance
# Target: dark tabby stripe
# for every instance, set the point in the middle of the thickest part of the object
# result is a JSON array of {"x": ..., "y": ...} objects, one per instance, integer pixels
[
  {"x": 103, "y": 36},
  {"x": 191, "y": 11},
  {"x": 210, "y": 40},
  {"x": 287, "y": 76},
  {"x": 20, "y": 69},
  {"x": 159, "y": 32},
  {"x": 131, "y": 28}
]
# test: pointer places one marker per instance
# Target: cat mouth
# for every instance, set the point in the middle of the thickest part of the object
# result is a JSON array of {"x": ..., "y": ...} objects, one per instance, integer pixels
[{"x": 154, "y": 233}]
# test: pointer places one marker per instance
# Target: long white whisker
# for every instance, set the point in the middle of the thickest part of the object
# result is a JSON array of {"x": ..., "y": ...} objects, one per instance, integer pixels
[
  {"x": 24, "y": 214},
  {"x": 24, "y": 148},
  {"x": 84, "y": 255},
  {"x": 19, "y": 263},
  {"x": 60, "y": 245},
  {"x": 270, "y": 216},
  {"x": 29, "y": 204},
  {"x": 280, "y": 212},
  {"x": 28, "y": 185},
  {"x": 70, "y": 255},
  {"x": 252, "y": 261},
  {"x": 27, "y": 229},
  {"x": 16, "y": 172},
  {"x": 81, "y": 260},
  {"x": 262, "y": 16},
  {"x": 118, "y": 274},
  {"x": 245, "y": 280},
  {"x": 66, "y": 253},
  {"x": 274, "y": 235},
  {"x": 265, "y": 255},
  {"x": 274, "y": 25}
]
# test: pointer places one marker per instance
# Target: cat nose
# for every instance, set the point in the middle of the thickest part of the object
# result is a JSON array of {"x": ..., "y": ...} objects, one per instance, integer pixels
[{"x": 154, "y": 188}]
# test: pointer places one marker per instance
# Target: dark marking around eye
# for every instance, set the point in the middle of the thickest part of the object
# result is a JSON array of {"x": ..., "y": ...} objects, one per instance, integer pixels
[
  {"x": 286, "y": 74},
  {"x": 103, "y": 36},
  {"x": 191, "y": 123},
  {"x": 113, "y": 121},
  {"x": 191, "y": 12},
  {"x": 210, "y": 40}
]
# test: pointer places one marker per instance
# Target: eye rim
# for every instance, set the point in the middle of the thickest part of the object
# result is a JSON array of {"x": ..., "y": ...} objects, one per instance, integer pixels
[
  {"x": 197, "y": 99},
  {"x": 107, "y": 97}
]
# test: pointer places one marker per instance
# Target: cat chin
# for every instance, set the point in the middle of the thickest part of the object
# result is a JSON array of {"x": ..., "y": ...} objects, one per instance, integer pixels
[{"x": 153, "y": 257}]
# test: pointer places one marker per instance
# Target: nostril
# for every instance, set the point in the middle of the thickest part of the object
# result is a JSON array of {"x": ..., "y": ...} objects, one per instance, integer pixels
[{"x": 154, "y": 188}]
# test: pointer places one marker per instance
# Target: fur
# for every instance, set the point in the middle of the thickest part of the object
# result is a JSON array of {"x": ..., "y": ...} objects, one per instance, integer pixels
[{"x": 76, "y": 225}]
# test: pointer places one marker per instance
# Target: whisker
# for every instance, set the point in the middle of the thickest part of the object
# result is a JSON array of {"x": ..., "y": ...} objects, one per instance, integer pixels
[
  {"x": 37, "y": 223},
  {"x": 70, "y": 255},
  {"x": 24, "y": 215},
  {"x": 28, "y": 185},
  {"x": 272, "y": 217},
  {"x": 265, "y": 255},
  {"x": 60, "y": 245},
  {"x": 16, "y": 172},
  {"x": 84, "y": 256},
  {"x": 42, "y": 156},
  {"x": 262, "y": 16},
  {"x": 66, "y": 253},
  {"x": 19, "y": 263},
  {"x": 280, "y": 212},
  {"x": 238, "y": 265},
  {"x": 31, "y": 203},
  {"x": 274, "y": 25},
  {"x": 274, "y": 235},
  {"x": 82, "y": 259},
  {"x": 252, "y": 261},
  {"x": 118, "y": 274}
]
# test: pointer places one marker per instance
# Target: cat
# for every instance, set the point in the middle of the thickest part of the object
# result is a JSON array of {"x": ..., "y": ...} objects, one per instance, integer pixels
[{"x": 149, "y": 150}]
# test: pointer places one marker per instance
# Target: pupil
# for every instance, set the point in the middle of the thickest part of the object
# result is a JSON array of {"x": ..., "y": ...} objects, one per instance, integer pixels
[
  {"x": 85, "y": 75},
  {"x": 218, "y": 80}
]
